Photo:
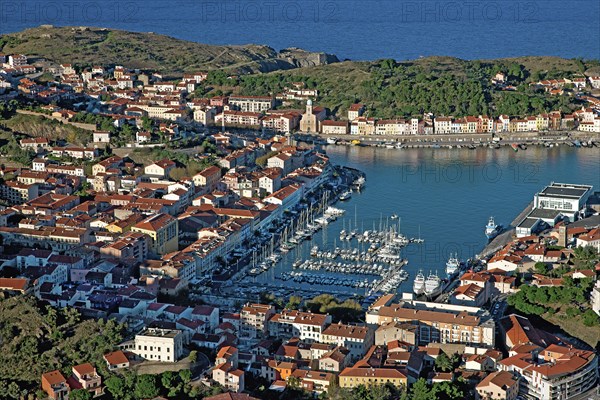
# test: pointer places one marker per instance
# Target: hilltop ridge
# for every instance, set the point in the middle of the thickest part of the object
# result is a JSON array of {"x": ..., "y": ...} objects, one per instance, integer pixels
[{"x": 88, "y": 45}]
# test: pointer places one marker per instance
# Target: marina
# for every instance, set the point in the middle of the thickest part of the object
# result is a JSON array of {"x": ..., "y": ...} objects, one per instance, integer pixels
[{"x": 342, "y": 248}]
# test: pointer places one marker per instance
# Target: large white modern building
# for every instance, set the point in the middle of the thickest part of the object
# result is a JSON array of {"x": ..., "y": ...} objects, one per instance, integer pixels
[
  {"x": 158, "y": 344},
  {"x": 555, "y": 202}
]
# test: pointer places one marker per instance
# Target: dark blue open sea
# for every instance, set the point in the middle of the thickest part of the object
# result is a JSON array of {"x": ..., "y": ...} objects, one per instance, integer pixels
[{"x": 360, "y": 30}]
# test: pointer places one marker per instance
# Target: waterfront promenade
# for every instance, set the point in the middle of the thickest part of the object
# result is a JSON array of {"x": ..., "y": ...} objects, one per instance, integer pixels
[{"x": 477, "y": 139}]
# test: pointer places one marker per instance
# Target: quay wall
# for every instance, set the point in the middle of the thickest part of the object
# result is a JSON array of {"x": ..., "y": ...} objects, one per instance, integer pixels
[{"x": 530, "y": 137}]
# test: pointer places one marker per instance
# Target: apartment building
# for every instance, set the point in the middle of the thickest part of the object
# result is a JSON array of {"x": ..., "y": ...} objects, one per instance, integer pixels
[
  {"x": 357, "y": 339},
  {"x": 253, "y": 320},
  {"x": 255, "y": 104},
  {"x": 155, "y": 344},
  {"x": 501, "y": 385},
  {"x": 163, "y": 232},
  {"x": 353, "y": 377},
  {"x": 306, "y": 326},
  {"x": 441, "y": 323}
]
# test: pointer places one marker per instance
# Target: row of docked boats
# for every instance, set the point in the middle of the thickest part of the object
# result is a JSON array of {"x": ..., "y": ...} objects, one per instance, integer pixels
[
  {"x": 355, "y": 254},
  {"x": 430, "y": 286},
  {"x": 389, "y": 282},
  {"x": 325, "y": 279},
  {"x": 340, "y": 267}
]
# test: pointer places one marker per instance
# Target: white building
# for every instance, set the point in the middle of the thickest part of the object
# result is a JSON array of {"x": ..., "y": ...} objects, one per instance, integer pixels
[
  {"x": 255, "y": 104},
  {"x": 555, "y": 201},
  {"x": 554, "y": 372},
  {"x": 101, "y": 137},
  {"x": 159, "y": 344},
  {"x": 565, "y": 197},
  {"x": 595, "y": 298}
]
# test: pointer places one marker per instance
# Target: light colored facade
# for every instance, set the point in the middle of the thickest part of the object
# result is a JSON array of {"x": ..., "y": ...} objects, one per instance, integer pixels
[
  {"x": 87, "y": 377},
  {"x": 253, "y": 320},
  {"x": 391, "y": 331},
  {"x": 163, "y": 232},
  {"x": 312, "y": 118},
  {"x": 443, "y": 323},
  {"x": 329, "y": 127},
  {"x": 306, "y": 326},
  {"x": 595, "y": 298},
  {"x": 255, "y": 104},
  {"x": 500, "y": 385},
  {"x": 357, "y": 339},
  {"x": 557, "y": 372},
  {"x": 165, "y": 345},
  {"x": 564, "y": 197},
  {"x": 232, "y": 379},
  {"x": 353, "y": 377},
  {"x": 392, "y": 127},
  {"x": 160, "y": 168}
]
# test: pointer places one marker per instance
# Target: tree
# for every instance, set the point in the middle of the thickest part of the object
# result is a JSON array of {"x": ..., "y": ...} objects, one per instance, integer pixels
[
  {"x": 443, "y": 363},
  {"x": 177, "y": 173},
  {"x": 13, "y": 391},
  {"x": 185, "y": 375},
  {"x": 590, "y": 318},
  {"x": 167, "y": 379},
  {"x": 446, "y": 390},
  {"x": 541, "y": 268},
  {"x": 420, "y": 391},
  {"x": 193, "y": 357},
  {"x": 145, "y": 387},
  {"x": 294, "y": 302},
  {"x": 116, "y": 386},
  {"x": 80, "y": 394}
]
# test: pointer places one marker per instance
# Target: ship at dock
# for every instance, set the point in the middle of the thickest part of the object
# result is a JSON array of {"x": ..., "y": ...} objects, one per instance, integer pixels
[
  {"x": 419, "y": 284},
  {"x": 492, "y": 229},
  {"x": 433, "y": 286},
  {"x": 452, "y": 266}
]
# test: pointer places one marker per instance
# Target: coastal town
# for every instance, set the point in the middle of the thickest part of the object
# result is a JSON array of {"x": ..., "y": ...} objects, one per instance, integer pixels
[{"x": 157, "y": 214}]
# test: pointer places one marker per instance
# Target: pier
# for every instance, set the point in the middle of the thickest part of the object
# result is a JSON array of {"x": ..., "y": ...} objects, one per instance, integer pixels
[{"x": 506, "y": 236}]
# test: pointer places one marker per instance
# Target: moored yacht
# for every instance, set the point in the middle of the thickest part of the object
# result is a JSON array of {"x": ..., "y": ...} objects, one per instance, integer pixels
[
  {"x": 346, "y": 195},
  {"x": 452, "y": 266},
  {"x": 419, "y": 284},
  {"x": 433, "y": 285}
]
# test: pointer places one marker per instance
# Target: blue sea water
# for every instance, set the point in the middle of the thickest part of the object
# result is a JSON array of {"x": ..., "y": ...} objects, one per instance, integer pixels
[
  {"x": 444, "y": 196},
  {"x": 359, "y": 30}
]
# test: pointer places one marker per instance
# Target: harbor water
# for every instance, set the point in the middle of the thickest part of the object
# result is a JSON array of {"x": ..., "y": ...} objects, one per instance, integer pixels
[{"x": 444, "y": 196}]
